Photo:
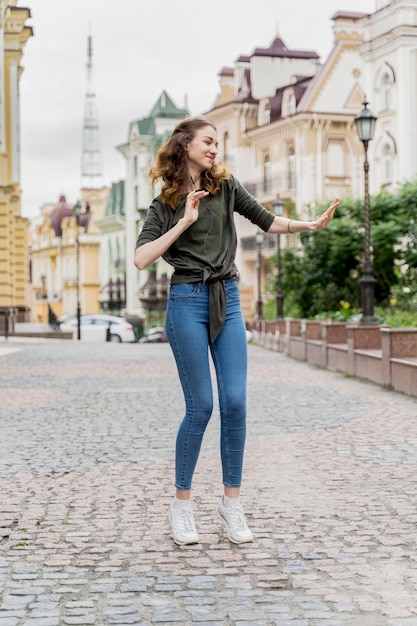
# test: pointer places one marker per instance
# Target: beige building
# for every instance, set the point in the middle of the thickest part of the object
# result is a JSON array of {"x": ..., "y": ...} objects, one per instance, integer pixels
[
  {"x": 14, "y": 257},
  {"x": 286, "y": 126}
]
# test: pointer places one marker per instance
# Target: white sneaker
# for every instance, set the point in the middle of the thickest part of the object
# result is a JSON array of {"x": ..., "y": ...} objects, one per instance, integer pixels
[
  {"x": 234, "y": 519},
  {"x": 182, "y": 525}
]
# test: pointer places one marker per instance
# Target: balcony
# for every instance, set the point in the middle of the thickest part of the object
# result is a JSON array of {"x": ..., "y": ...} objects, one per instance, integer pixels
[
  {"x": 248, "y": 245},
  {"x": 267, "y": 189}
]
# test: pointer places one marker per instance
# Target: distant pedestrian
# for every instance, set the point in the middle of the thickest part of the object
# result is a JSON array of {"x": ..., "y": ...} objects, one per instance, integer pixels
[{"x": 191, "y": 225}]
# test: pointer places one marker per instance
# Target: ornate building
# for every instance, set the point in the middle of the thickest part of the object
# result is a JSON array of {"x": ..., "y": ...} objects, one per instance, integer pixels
[
  {"x": 65, "y": 257},
  {"x": 286, "y": 122},
  {"x": 146, "y": 290},
  {"x": 389, "y": 52},
  {"x": 14, "y": 256}
]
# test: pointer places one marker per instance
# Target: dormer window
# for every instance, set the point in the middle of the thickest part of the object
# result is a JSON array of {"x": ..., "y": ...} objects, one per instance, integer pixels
[{"x": 264, "y": 112}]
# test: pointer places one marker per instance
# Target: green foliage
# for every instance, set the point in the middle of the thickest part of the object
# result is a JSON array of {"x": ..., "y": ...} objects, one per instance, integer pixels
[
  {"x": 396, "y": 318},
  {"x": 323, "y": 273}
]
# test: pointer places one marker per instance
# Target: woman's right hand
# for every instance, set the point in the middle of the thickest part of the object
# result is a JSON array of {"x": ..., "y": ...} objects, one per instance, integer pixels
[
  {"x": 152, "y": 250},
  {"x": 192, "y": 204}
]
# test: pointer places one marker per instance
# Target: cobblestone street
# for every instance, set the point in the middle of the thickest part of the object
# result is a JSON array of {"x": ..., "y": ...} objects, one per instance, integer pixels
[{"x": 86, "y": 477}]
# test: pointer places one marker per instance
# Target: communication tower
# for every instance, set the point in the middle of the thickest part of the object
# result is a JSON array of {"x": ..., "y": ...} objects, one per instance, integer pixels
[{"x": 91, "y": 156}]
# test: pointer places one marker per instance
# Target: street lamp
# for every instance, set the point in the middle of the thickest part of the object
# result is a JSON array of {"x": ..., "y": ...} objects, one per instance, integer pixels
[
  {"x": 259, "y": 240},
  {"x": 365, "y": 126},
  {"x": 77, "y": 211},
  {"x": 278, "y": 206}
]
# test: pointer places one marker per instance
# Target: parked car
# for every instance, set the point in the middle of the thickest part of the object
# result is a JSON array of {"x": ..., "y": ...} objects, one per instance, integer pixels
[
  {"x": 155, "y": 335},
  {"x": 96, "y": 327},
  {"x": 64, "y": 319}
]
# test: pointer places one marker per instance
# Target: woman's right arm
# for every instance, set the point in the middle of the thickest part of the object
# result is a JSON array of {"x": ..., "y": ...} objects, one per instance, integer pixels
[{"x": 148, "y": 252}]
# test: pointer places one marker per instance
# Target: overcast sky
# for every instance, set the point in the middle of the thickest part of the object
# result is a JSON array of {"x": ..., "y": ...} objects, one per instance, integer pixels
[{"x": 140, "y": 48}]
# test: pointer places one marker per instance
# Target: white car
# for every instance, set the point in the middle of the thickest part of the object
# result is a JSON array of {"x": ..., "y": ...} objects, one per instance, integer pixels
[{"x": 96, "y": 328}]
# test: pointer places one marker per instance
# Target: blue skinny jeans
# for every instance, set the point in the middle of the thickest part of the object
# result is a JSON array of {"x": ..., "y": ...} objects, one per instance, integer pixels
[{"x": 187, "y": 325}]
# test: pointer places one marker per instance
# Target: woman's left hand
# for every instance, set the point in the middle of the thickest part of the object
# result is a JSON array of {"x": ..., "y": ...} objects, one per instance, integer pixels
[{"x": 326, "y": 217}]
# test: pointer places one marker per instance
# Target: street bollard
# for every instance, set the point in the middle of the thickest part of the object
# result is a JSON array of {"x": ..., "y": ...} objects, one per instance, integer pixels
[{"x": 6, "y": 324}]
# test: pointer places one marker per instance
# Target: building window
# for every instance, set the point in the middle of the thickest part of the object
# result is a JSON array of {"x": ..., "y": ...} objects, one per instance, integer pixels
[
  {"x": 267, "y": 174},
  {"x": 385, "y": 87},
  {"x": 386, "y": 92},
  {"x": 292, "y": 105},
  {"x": 291, "y": 169},
  {"x": 335, "y": 154},
  {"x": 226, "y": 146},
  {"x": 110, "y": 253},
  {"x": 387, "y": 164},
  {"x": 289, "y": 103},
  {"x": 135, "y": 166}
]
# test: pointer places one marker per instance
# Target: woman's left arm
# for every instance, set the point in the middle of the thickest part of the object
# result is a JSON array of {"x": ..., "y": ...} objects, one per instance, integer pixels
[{"x": 283, "y": 225}]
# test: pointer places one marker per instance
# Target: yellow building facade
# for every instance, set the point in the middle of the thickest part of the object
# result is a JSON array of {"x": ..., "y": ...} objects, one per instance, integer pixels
[
  {"x": 14, "y": 256},
  {"x": 65, "y": 257}
]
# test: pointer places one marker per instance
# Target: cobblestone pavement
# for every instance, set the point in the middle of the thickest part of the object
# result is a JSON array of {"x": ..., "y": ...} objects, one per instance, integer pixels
[{"x": 86, "y": 466}]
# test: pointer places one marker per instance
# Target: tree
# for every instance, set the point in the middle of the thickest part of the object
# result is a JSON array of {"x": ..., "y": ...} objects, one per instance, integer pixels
[{"x": 325, "y": 270}]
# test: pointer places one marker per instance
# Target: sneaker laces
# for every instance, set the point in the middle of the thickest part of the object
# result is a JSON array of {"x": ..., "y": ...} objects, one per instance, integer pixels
[
  {"x": 236, "y": 517},
  {"x": 184, "y": 519}
]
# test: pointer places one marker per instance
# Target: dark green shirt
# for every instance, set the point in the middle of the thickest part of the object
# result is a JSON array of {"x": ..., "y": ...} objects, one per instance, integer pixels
[{"x": 206, "y": 250}]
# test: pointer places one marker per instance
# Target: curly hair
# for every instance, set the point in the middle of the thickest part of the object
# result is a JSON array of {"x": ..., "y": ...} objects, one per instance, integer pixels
[{"x": 171, "y": 164}]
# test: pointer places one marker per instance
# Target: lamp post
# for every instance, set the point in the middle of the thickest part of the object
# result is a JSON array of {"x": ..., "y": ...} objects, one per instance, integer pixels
[
  {"x": 259, "y": 305},
  {"x": 77, "y": 211},
  {"x": 278, "y": 206},
  {"x": 365, "y": 125}
]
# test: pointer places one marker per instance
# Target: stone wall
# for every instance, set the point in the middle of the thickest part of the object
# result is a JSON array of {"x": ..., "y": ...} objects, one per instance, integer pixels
[{"x": 383, "y": 355}]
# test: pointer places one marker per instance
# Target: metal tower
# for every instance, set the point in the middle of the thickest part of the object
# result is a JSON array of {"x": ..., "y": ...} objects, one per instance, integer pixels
[{"x": 91, "y": 156}]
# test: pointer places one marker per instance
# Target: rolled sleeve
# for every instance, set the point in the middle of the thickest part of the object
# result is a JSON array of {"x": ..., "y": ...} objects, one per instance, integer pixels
[{"x": 152, "y": 227}]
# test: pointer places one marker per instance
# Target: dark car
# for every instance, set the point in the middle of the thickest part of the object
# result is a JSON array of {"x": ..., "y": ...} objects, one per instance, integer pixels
[{"x": 155, "y": 335}]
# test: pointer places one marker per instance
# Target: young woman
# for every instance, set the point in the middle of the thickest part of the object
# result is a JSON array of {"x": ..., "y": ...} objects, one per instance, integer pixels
[{"x": 191, "y": 225}]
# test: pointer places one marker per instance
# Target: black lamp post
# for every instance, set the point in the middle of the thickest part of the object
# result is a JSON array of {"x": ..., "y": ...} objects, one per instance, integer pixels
[
  {"x": 77, "y": 211},
  {"x": 259, "y": 305},
  {"x": 279, "y": 210},
  {"x": 365, "y": 126}
]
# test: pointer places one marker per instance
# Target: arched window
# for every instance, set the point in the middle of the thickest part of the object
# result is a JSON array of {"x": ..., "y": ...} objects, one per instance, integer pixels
[
  {"x": 386, "y": 92},
  {"x": 289, "y": 103},
  {"x": 264, "y": 112},
  {"x": 385, "y": 87},
  {"x": 387, "y": 164}
]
